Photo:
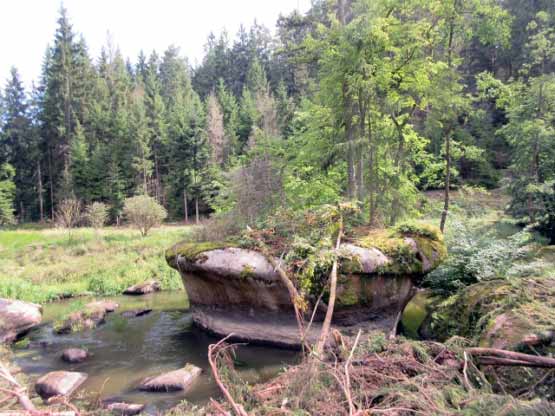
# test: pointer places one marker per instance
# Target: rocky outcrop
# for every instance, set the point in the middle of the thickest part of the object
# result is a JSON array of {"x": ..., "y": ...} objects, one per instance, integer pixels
[
  {"x": 59, "y": 383},
  {"x": 236, "y": 290},
  {"x": 16, "y": 318},
  {"x": 178, "y": 380},
  {"x": 90, "y": 317},
  {"x": 143, "y": 288},
  {"x": 75, "y": 355}
]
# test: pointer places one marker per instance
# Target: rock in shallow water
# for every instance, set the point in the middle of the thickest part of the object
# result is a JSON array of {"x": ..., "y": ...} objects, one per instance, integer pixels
[
  {"x": 59, "y": 383},
  {"x": 74, "y": 355},
  {"x": 143, "y": 288},
  {"x": 124, "y": 409},
  {"x": 136, "y": 313},
  {"x": 93, "y": 315},
  {"x": 16, "y": 318},
  {"x": 177, "y": 380}
]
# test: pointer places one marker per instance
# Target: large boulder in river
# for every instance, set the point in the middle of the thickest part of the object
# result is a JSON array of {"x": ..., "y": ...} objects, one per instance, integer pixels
[
  {"x": 59, "y": 383},
  {"x": 237, "y": 290},
  {"x": 177, "y": 380},
  {"x": 143, "y": 288},
  {"x": 16, "y": 318}
]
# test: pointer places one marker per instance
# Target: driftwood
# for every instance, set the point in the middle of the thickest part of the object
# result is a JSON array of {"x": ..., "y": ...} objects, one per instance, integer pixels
[{"x": 496, "y": 357}]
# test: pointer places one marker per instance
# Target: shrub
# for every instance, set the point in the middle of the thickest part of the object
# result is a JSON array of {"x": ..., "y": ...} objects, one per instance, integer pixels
[
  {"x": 144, "y": 212},
  {"x": 68, "y": 213},
  {"x": 97, "y": 214}
]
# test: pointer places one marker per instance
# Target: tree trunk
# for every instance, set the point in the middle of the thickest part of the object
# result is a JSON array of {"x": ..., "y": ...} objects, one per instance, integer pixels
[
  {"x": 40, "y": 191},
  {"x": 51, "y": 179},
  {"x": 447, "y": 181},
  {"x": 349, "y": 131},
  {"x": 196, "y": 210},
  {"x": 186, "y": 209}
]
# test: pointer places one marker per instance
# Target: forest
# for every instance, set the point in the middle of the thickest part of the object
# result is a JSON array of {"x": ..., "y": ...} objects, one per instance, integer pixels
[{"x": 372, "y": 184}]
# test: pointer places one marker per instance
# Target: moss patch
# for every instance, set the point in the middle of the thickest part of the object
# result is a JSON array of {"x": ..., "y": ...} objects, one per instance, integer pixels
[
  {"x": 415, "y": 313},
  {"x": 193, "y": 251}
]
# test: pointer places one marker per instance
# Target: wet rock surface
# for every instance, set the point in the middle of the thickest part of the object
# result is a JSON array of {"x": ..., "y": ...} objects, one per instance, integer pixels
[
  {"x": 177, "y": 380},
  {"x": 75, "y": 355},
  {"x": 59, "y": 383},
  {"x": 16, "y": 318},
  {"x": 143, "y": 288},
  {"x": 135, "y": 313}
]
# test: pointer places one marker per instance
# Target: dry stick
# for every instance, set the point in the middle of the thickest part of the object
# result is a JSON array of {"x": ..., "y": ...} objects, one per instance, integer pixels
[
  {"x": 333, "y": 289},
  {"x": 20, "y": 394},
  {"x": 212, "y": 351},
  {"x": 465, "y": 370},
  {"x": 219, "y": 407},
  {"x": 347, "y": 388},
  {"x": 493, "y": 356}
]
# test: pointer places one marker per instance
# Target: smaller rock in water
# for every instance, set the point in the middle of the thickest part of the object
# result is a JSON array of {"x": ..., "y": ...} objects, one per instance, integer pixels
[
  {"x": 124, "y": 409},
  {"x": 59, "y": 383},
  {"x": 143, "y": 288},
  {"x": 136, "y": 313},
  {"x": 75, "y": 355},
  {"x": 16, "y": 318},
  {"x": 178, "y": 380},
  {"x": 108, "y": 305}
]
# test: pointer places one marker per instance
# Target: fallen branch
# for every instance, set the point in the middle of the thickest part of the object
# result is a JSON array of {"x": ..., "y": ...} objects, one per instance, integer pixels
[
  {"x": 20, "y": 392},
  {"x": 331, "y": 303},
  {"x": 493, "y": 356},
  {"x": 213, "y": 351}
]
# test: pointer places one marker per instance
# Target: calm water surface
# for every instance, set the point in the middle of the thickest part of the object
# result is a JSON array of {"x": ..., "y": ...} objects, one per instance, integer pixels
[{"x": 125, "y": 350}]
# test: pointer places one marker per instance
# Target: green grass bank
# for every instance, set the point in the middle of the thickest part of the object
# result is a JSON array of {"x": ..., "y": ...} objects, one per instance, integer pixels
[{"x": 43, "y": 264}]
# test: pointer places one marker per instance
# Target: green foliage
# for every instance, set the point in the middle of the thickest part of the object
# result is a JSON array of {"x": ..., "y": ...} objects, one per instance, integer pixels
[
  {"x": 7, "y": 194},
  {"x": 144, "y": 212},
  {"x": 97, "y": 214}
]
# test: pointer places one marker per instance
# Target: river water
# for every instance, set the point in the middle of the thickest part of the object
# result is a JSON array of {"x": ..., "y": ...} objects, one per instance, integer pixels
[{"x": 125, "y": 350}]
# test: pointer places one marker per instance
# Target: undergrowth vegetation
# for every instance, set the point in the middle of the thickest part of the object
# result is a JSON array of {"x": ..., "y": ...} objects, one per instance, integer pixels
[{"x": 41, "y": 265}]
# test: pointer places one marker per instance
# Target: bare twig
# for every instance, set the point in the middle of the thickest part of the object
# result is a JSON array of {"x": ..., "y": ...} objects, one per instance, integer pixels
[
  {"x": 493, "y": 356},
  {"x": 213, "y": 350}
]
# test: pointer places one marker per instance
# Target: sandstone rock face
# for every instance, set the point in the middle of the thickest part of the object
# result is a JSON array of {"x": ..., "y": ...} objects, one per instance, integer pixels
[
  {"x": 59, "y": 383},
  {"x": 143, "y": 288},
  {"x": 75, "y": 355},
  {"x": 178, "y": 380},
  {"x": 16, "y": 318},
  {"x": 236, "y": 290}
]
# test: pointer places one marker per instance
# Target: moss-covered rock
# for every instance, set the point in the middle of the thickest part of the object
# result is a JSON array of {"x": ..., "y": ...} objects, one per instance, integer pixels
[{"x": 499, "y": 313}]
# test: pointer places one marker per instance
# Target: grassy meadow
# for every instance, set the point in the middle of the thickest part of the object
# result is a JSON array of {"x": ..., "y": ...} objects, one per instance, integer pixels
[{"x": 40, "y": 264}]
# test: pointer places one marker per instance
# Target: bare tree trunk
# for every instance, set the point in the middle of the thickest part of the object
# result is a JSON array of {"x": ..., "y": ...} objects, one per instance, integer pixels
[
  {"x": 196, "y": 211},
  {"x": 447, "y": 181},
  {"x": 185, "y": 207},
  {"x": 51, "y": 179},
  {"x": 349, "y": 133},
  {"x": 331, "y": 303},
  {"x": 39, "y": 190}
]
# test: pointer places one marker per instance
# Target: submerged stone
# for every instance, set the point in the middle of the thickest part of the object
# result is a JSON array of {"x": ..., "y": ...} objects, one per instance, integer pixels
[
  {"x": 124, "y": 409},
  {"x": 59, "y": 383},
  {"x": 177, "y": 380},
  {"x": 135, "y": 313},
  {"x": 16, "y": 318},
  {"x": 75, "y": 355}
]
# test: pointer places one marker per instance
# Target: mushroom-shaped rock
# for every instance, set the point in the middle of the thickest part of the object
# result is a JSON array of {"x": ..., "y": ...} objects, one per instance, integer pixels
[
  {"x": 124, "y": 409},
  {"x": 75, "y": 355},
  {"x": 143, "y": 288},
  {"x": 378, "y": 271},
  {"x": 16, "y": 318},
  {"x": 59, "y": 383},
  {"x": 177, "y": 380}
]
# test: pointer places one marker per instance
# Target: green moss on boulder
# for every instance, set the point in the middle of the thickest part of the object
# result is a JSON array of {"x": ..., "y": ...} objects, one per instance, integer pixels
[{"x": 192, "y": 251}]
